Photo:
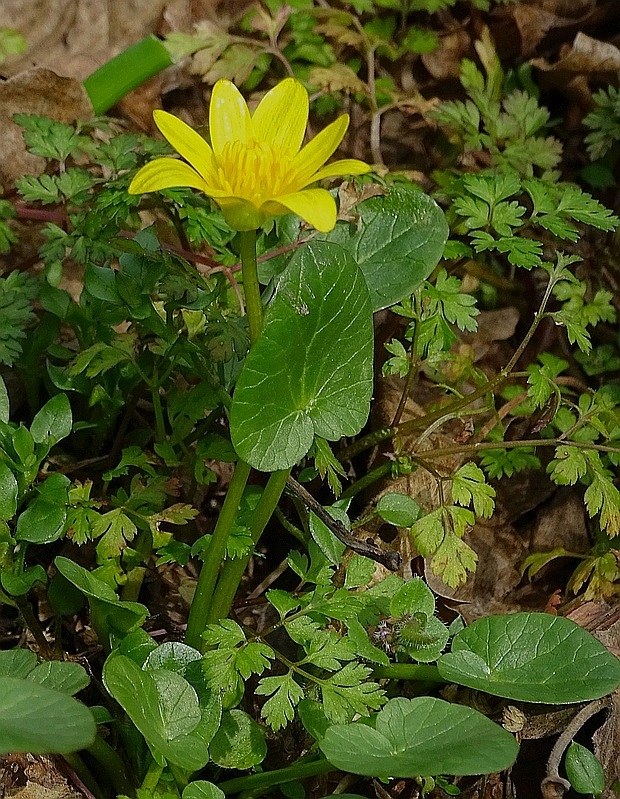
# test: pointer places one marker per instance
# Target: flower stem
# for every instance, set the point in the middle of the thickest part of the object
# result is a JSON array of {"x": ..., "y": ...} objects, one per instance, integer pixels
[
  {"x": 110, "y": 765},
  {"x": 277, "y": 777},
  {"x": 233, "y": 569},
  {"x": 251, "y": 286},
  {"x": 201, "y": 604},
  {"x": 408, "y": 671}
]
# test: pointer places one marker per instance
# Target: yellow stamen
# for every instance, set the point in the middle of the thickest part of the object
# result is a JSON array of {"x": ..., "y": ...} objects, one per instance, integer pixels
[{"x": 254, "y": 171}]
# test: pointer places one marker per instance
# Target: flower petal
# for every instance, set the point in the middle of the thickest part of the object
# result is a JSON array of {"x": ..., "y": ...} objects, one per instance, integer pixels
[
  {"x": 229, "y": 118},
  {"x": 319, "y": 149},
  {"x": 166, "y": 173},
  {"x": 188, "y": 143},
  {"x": 347, "y": 166},
  {"x": 315, "y": 206},
  {"x": 282, "y": 116}
]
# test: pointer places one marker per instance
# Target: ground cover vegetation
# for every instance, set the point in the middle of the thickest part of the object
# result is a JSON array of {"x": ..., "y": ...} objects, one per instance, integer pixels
[{"x": 308, "y": 468}]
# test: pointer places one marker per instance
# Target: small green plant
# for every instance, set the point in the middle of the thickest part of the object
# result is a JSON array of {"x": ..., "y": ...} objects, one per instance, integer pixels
[{"x": 230, "y": 335}]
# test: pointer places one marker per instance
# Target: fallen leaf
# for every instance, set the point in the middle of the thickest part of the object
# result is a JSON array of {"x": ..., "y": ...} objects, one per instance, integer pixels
[{"x": 37, "y": 91}]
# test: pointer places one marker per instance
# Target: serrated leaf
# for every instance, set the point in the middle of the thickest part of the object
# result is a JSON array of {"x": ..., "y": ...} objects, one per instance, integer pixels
[
  {"x": 405, "y": 229},
  {"x": 469, "y": 486},
  {"x": 346, "y": 693},
  {"x": 420, "y": 737},
  {"x": 531, "y": 657},
  {"x": 285, "y": 694},
  {"x": 310, "y": 373}
]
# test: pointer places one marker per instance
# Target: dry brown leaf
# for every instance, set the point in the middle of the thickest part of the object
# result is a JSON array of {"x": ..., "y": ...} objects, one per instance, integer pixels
[
  {"x": 445, "y": 61},
  {"x": 37, "y": 91},
  {"x": 76, "y": 36},
  {"x": 586, "y": 56},
  {"x": 25, "y": 776}
]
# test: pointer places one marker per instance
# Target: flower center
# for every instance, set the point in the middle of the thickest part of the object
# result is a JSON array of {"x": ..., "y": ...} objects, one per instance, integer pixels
[{"x": 254, "y": 171}]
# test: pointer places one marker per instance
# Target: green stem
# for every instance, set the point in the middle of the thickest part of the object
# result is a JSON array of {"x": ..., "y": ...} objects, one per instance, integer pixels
[
  {"x": 368, "y": 479},
  {"x": 84, "y": 773},
  {"x": 152, "y": 777},
  {"x": 251, "y": 286},
  {"x": 408, "y": 671},
  {"x": 297, "y": 771},
  {"x": 200, "y": 609},
  {"x": 111, "y": 765},
  {"x": 125, "y": 72},
  {"x": 234, "y": 569}
]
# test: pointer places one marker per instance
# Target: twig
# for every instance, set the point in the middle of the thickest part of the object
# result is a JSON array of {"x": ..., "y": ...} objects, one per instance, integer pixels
[
  {"x": 388, "y": 558},
  {"x": 554, "y": 786}
]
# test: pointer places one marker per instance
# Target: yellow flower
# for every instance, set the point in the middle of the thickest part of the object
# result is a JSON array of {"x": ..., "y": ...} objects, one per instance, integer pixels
[{"x": 255, "y": 167}]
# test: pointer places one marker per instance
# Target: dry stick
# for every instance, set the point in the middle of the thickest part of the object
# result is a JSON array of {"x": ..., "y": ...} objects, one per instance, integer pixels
[
  {"x": 554, "y": 786},
  {"x": 388, "y": 558}
]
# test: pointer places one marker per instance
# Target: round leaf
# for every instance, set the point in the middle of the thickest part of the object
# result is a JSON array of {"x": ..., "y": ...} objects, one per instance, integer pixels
[
  {"x": 34, "y": 718},
  {"x": 584, "y": 770},
  {"x": 239, "y": 742},
  {"x": 310, "y": 373},
  {"x": 398, "y": 509},
  {"x": 531, "y": 657},
  {"x": 201, "y": 789},
  {"x": 420, "y": 738},
  {"x": 397, "y": 243}
]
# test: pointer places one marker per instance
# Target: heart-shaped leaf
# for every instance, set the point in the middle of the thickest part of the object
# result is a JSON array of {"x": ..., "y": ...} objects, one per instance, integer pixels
[
  {"x": 397, "y": 242},
  {"x": 163, "y": 706},
  {"x": 531, "y": 657},
  {"x": 420, "y": 737},
  {"x": 310, "y": 373},
  {"x": 34, "y": 718}
]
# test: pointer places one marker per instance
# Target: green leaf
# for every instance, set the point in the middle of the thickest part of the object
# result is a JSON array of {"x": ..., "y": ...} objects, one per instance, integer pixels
[
  {"x": 531, "y": 657},
  {"x": 34, "y": 718},
  {"x": 16, "y": 294},
  {"x": 5, "y": 405},
  {"x": 8, "y": 493},
  {"x": 62, "y": 676},
  {"x": 346, "y": 693},
  {"x": 397, "y": 242},
  {"x": 584, "y": 770},
  {"x": 123, "y": 616},
  {"x": 44, "y": 519},
  {"x": 398, "y": 509},
  {"x": 310, "y": 373},
  {"x": 17, "y": 662},
  {"x": 469, "y": 486},
  {"x": 420, "y": 737},
  {"x": 330, "y": 546},
  {"x": 171, "y": 656},
  {"x": 201, "y": 789},
  {"x": 239, "y": 743},
  {"x": 53, "y": 421},
  {"x": 164, "y": 708},
  {"x": 285, "y": 693}
]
